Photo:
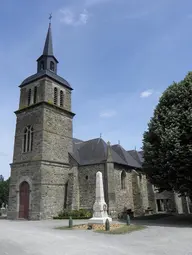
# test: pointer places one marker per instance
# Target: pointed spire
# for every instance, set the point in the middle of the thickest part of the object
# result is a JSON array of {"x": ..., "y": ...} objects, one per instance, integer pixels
[
  {"x": 47, "y": 61},
  {"x": 48, "y": 48}
]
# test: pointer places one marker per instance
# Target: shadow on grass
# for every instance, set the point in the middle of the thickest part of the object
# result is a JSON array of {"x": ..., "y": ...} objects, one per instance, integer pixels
[
  {"x": 65, "y": 228},
  {"x": 165, "y": 220}
]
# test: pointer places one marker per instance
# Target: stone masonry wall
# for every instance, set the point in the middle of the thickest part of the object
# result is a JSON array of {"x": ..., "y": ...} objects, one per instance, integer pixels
[
  {"x": 109, "y": 183},
  {"x": 40, "y": 84},
  {"x": 53, "y": 180},
  {"x": 33, "y": 117},
  {"x": 45, "y": 92},
  {"x": 124, "y": 197},
  {"x": 57, "y": 135},
  {"x": 144, "y": 191},
  {"x": 137, "y": 197},
  {"x": 49, "y": 93},
  {"x": 73, "y": 189},
  {"x": 29, "y": 172},
  {"x": 151, "y": 197},
  {"x": 87, "y": 186}
]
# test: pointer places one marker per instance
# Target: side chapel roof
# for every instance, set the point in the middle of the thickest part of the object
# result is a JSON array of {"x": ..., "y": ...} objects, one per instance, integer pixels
[{"x": 95, "y": 151}]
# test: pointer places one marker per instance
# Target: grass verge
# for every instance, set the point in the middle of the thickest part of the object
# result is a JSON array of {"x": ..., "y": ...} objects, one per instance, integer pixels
[
  {"x": 64, "y": 228},
  {"x": 124, "y": 229}
]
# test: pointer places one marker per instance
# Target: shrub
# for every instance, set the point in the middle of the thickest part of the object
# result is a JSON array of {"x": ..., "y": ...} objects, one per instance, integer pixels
[{"x": 75, "y": 214}]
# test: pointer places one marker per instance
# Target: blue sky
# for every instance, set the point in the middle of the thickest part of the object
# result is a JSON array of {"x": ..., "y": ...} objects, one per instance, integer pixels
[{"x": 118, "y": 55}]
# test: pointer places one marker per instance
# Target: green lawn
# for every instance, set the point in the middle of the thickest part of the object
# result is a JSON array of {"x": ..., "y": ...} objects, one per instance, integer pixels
[
  {"x": 64, "y": 228},
  {"x": 124, "y": 229}
]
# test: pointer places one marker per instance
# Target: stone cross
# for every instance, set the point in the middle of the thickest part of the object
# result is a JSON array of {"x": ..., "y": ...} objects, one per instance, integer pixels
[{"x": 100, "y": 207}]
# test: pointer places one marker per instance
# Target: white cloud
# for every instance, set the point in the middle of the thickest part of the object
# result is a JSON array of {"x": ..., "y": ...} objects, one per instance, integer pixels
[
  {"x": 69, "y": 17},
  {"x": 146, "y": 93},
  {"x": 83, "y": 17},
  {"x": 108, "y": 114},
  {"x": 72, "y": 16}
]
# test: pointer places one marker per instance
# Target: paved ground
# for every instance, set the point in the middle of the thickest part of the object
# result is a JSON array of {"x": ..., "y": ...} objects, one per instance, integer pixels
[{"x": 40, "y": 238}]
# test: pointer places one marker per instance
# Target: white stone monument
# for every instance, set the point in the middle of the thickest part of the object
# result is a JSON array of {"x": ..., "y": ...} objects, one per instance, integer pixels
[
  {"x": 3, "y": 211},
  {"x": 100, "y": 207}
]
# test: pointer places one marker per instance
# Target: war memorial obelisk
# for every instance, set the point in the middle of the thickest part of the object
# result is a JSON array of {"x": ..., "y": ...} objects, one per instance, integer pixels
[{"x": 100, "y": 207}]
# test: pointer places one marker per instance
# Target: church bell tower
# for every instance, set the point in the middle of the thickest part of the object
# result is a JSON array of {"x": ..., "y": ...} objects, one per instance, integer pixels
[{"x": 43, "y": 139}]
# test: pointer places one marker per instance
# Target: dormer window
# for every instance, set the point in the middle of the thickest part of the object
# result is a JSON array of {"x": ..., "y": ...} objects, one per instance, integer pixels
[
  {"x": 42, "y": 67},
  {"x": 52, "y": 66}
]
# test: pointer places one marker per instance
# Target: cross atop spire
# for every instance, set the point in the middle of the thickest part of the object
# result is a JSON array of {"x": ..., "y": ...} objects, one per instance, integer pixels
[
  {"x": 48, "y": 48},
  {"x": 47, "y": 60},
  {"x": 50, "y": 17}
]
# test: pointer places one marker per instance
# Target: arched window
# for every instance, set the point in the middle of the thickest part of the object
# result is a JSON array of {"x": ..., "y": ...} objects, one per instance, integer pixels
[
  {"x": 42, "y": 67},
  {"x": 35, "y": 95},
  {"x": 29, "y": 97},
  {"x": 123, "y": 178},
  {"x": 66, "y": 195},
  {"x": 28, "y": 139},
  {"x": 61, "y": 98},
  {"x": 52, "y": 66},
  {"x": 25, "y": 140},
  {"x": 55, "y": 95}
]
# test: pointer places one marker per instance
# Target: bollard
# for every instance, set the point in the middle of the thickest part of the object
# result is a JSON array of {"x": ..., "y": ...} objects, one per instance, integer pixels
[
  {"x": 70, "y": 222},
  {"x": 128, "y": 221},
  {"x": 107, "y": 225}
]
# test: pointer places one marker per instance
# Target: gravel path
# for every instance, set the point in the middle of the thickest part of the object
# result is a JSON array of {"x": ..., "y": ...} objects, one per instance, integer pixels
[{"x": 40, "y": 238}]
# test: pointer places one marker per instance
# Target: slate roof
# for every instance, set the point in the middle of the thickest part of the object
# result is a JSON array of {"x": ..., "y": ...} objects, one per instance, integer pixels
[
  {"x": 48, "y": 48},
  {"x": 45, "y": 73},
  {"x": 95, "y": 151},
  {"x": 47, "y": 52},
  {"x": 131, "y": 161},
  {"x": 137, "y": 155}
]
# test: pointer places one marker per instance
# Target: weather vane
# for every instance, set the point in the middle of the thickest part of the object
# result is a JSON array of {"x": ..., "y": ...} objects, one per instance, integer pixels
[{"x": 50, "y": 17}]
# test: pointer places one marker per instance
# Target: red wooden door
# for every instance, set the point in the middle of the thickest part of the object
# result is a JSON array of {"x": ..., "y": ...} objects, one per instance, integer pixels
[{"x": 24, "y": 201}]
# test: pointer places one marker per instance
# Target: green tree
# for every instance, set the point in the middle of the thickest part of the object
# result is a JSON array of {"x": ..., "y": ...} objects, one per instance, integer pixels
[
  {"x": 1, "y": 178},
  {"x": 167, "y": 144},
  {"x": 4, "y": 191}
]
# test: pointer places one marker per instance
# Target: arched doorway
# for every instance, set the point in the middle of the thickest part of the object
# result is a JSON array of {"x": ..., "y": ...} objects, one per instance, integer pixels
[{"x": 24, "y": 200}]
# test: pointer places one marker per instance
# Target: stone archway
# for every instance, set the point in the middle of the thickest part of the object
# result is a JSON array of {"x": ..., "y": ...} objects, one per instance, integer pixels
[{"x": 24, "y": 191}]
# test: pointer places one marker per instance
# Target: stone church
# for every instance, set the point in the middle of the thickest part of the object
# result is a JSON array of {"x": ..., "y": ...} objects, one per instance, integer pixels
[{"x": 51, "y": 170}]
